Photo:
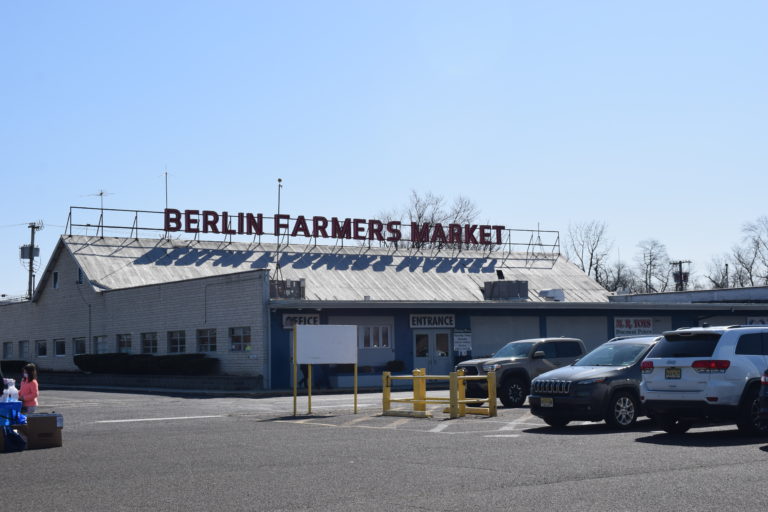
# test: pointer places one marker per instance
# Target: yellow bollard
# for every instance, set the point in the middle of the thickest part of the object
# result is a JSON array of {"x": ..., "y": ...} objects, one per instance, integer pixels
[
  {"x": 419, "y": 391},
  {"x": 462, "y": 393},
  {"x": 453, "y": 393},
  {"x": 386, "y": 391},
  {"x": 491, "y": 394}
]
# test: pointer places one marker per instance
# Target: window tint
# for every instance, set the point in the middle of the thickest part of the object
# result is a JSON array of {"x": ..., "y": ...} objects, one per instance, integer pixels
[
  {"x": 568, "y": 349},
  {"x": 686, "y": 345},
  {"x": 750, "y": 344},
  {"x": 550, "y": 350}
]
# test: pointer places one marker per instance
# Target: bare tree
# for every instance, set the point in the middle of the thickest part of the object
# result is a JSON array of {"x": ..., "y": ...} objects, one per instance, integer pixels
[
  {"x": 745, "y": 259},
  {"x": 717, "y": 272},
  {"x": 653, "y": 266},
  {"x": 756, "y": 234},
  {"x": 587, "y": 246},
  {"x": 619, "y": 277}
]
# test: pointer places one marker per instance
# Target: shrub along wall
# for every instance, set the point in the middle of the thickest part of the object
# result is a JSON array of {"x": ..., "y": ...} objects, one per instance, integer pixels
[{"x": 148, "y": 364}]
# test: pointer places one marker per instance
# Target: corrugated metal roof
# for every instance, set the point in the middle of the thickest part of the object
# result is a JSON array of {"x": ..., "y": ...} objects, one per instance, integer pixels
[{"x": 330, "y": 272}]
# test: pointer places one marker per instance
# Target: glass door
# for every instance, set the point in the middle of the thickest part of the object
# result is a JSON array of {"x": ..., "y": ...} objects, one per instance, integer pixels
[{"x": 432, "y": 350}]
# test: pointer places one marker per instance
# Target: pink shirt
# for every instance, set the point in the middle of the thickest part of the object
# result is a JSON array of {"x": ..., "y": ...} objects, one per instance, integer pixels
[{"x": 28, "y": 393}]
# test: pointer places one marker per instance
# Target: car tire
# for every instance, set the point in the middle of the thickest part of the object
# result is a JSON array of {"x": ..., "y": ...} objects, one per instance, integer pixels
[
  {"x": 556, "y": 422},
  {"x": 672, "y": 425},
  {"x": 749, "y": 419},
  {"x": 622, "y": 410},
  {"x": 513, "y": 392}
]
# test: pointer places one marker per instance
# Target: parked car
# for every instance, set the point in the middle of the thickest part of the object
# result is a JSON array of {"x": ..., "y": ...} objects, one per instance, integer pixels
[
  {"x": 517, "y": 362},
  {"x": 603, "y": 385},
  {"x": 706, "y": 374}
]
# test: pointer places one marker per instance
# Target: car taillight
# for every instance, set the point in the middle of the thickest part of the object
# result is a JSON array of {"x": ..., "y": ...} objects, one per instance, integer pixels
[
  {"x": 646, "y": 366},
  {"x": 710, "y": 366},
  {"x": 764, "y": 379}
]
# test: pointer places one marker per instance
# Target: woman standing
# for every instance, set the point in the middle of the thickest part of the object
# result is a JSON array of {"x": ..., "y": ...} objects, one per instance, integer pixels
[{"x": 29, "y": 390}]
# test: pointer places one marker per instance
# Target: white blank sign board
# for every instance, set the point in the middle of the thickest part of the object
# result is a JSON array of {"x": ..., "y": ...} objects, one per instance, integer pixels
[{"x": 326, "y": 344}]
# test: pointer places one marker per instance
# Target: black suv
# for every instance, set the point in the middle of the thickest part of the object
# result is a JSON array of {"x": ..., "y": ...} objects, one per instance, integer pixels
[{"x": 603, "y": 385}]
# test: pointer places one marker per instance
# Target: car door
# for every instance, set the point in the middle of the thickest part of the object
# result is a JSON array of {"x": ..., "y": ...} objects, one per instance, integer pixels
[{"x": 546, "y": 363}]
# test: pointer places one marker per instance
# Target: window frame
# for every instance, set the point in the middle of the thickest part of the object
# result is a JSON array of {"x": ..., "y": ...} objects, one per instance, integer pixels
[
  {"x": 23, "y": 349},
  {"x": 149, "y": 338},
  {"x": 367, "y": 332},
  {"x": 7, "y": 350},
  {"x": 120, "y": 340},
  {"x": 210, "y": 343},
  {"x": 241, "y": 333},
  {"x": 177, "y": 342},
  {"x": 59, "y": 342},
  {"x": 41, "y": 344}
]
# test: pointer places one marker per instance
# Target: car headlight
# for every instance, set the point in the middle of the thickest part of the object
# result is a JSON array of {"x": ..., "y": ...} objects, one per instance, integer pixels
[
  {"x": 491, "y": 367},
  {"x": 592, "y": 381}
]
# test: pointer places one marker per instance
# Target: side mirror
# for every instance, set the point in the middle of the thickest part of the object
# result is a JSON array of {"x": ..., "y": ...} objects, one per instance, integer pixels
[{"x": 539, "y": 354}]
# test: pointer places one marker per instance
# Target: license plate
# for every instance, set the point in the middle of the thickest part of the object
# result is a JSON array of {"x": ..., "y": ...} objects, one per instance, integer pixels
[
  {"x": 547, "y": 402},
  {"x": 672, "y": 373}
]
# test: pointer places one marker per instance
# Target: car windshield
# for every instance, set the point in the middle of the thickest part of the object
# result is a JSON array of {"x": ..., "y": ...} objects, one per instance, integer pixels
[
  {"x": 514, "y": 349},
  {"x": 614, "y": 354}
]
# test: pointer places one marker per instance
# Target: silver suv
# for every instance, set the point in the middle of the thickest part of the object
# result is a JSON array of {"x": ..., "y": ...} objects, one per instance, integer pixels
[
  {"x": 706, "y": 374},
  {"x": 517, "y": 362}
]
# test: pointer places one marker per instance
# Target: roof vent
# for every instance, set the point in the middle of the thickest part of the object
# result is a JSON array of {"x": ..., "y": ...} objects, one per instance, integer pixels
[{"x": 553, "y": 295}]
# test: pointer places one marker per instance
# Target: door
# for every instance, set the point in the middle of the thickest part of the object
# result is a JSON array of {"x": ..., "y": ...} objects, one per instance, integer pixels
[{"x": 432, "y": 350}]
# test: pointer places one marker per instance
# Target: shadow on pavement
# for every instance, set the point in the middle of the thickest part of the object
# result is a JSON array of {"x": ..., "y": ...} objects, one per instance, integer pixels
[
  {"x": 703, "y": 439},
  {"x": 592, "y": 429}
]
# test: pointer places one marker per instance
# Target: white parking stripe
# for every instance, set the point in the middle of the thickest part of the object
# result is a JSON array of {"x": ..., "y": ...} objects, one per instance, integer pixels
[
  {"x": 512, "y": 425},
  {"x": 162, "y": 419},
  {"x": 444, "y": 425}
]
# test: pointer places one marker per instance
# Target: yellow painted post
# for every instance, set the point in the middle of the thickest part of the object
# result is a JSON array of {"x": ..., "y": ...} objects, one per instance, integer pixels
[
  {"x": 309, "y": 390},
  {"x": 491, "y": 394},
  {"x": 462, "y": 393},
  {"x": 386, "y": 392},
  {"x": 453, "y": 393},
  {"x": 295, "y": 371},
  {"x": 419, "y": 391}
]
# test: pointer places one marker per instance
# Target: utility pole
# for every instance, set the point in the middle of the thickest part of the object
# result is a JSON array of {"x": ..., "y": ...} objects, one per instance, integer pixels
[
  {"x": 33, "y": 227},
  {"x": 680, "y": 277}
]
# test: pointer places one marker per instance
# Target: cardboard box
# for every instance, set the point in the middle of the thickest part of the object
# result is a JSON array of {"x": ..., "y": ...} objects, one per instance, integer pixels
[{"x": 42, "y": 430}]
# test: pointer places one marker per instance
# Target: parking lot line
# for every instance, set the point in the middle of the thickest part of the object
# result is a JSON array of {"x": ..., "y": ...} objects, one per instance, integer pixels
[{"x": 133, "y": 420}]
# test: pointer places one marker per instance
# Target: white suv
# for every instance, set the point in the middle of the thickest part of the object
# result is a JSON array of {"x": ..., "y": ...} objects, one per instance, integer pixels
[{"x": 706, "y": 374}]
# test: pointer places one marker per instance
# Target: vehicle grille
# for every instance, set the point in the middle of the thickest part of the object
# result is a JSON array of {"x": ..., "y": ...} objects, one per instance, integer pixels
[
  {"x": 469, "y": 370},
  {"x": 551, "y": 387}
]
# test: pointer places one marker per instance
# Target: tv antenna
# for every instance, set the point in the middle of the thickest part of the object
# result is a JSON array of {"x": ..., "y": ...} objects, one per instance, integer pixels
[
  {"x": 278, "y": 273},
  {"x": 101, "y": 193}
]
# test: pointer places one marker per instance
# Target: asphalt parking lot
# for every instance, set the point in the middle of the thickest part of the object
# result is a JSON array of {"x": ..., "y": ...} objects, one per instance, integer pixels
[{"x": 155, "y": 452}]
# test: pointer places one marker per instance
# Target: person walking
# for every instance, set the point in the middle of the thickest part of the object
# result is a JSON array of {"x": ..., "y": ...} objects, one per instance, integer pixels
[{"x": 29, "y": 389}]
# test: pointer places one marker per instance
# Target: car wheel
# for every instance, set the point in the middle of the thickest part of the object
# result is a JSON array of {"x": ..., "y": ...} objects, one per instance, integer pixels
[
  {"x": 622, "y": 410},
  {"x": 672, "y": 425},
  {"x": 556, "y": 422},
  {"x": 513, "y": 392},
  {"x": 749, "y": 418}
]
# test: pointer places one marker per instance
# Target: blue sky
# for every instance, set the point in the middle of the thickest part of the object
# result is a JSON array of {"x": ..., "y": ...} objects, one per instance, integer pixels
[{"x": 649, "y": 116}]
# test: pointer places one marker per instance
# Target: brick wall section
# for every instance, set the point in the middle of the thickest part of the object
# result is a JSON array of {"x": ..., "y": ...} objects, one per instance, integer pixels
[{"x": 77, "y": 310}]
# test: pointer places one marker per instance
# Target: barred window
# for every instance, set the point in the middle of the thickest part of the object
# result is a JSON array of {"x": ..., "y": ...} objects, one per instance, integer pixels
[
  {"x": 177, "y": 341},
  {"x": 124, "y": 343},
  {"x": 240, "y": 339},
  {"x": 149, "y": 343},
  {"x": 374, "y": 336},
  {"x": 60, "y": 347},
  {"x": 41, "y": 348},
  {"x": 79, "y": 345},
  {"x": 206, "y": 340}
]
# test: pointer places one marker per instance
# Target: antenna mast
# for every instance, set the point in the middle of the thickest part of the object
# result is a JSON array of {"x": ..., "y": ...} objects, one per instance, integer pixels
[
  {"x": 30, "y": 255},
  {"x": 278, "y": 273}
]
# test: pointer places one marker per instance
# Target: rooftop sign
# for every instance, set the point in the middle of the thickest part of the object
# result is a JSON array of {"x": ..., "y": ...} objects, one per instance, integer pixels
[{"x": 206, "y": 221}]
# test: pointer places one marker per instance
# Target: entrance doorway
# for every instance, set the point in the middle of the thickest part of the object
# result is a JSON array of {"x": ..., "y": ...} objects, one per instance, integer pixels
[{"x": 432, "y": 350}]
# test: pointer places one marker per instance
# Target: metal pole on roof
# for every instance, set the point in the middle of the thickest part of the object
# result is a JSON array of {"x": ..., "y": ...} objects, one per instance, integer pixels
[{"x": 278, "y": 274}]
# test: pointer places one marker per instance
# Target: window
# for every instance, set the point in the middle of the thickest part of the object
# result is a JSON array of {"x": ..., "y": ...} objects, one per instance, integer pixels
[
  {"x": 55, "y": 279},
  {"x": 686, "y": 345},
  {"x": 374, "y": 336},
  {"x": 23, "y": 349},
  {"x": 240, "y": 339},
  {"x": 41, "y": 348},
  {"x": 8, "y": 350},
  {"x": 549, "y": 349},
  {"x": 124, "y": 344},
  {"x": 59, "y": 347},
  {"x": 79, "y": 345},
  {"x": 206, "y": 340},
  {"x": 80, "y": 276},
  {"x": 100, "y": 345},
  {"x": 149, "y": 343},
  {"x": 751, "y": 344},
  {"x": 177, "y": 341},
  {"x": 568, "y": 349}
]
